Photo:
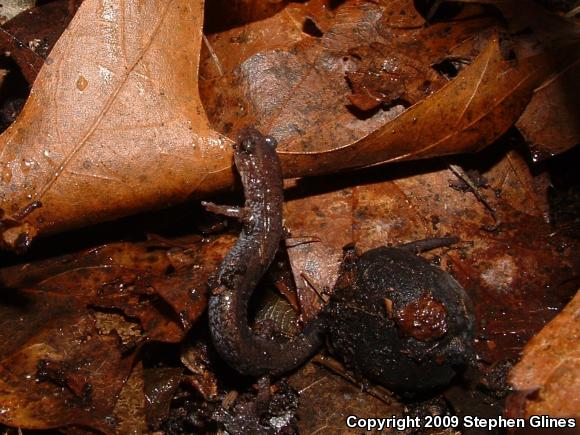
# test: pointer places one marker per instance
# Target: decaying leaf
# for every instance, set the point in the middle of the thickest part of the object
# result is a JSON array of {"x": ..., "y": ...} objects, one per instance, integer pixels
[
  {"x": 332, "y": 399},
  {"x": 550, "y": 122},
  {"x": 130, "y": 409},
  {"x": 113, "y": 124},
  {"x": 70, "y": 336},
  {"x": 502, "y": 268},
  {"x": 160, "y": 385},
  {"x": 57, "y": 368},
  {"x": 547, "y": 378},
  {"x": 301, "y": 94},
  {"x": 320, "y": 225},
  {"x": 465, "y": 115},
  {"x": 10, "y": 9},
  {"x": 99, "y": 340},
  {"x": 120, "y": 128}
]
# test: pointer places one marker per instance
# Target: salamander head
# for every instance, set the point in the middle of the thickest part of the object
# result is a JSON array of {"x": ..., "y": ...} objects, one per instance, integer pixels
[{"x": 250, "y": 138}]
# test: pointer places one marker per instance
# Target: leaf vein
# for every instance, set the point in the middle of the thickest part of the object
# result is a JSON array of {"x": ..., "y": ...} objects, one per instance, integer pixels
[{"x": 112, "y": 98}]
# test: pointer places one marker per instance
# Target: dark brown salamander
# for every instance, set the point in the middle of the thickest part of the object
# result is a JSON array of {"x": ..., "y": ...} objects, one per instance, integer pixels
[{"x": 245, "y": 264}]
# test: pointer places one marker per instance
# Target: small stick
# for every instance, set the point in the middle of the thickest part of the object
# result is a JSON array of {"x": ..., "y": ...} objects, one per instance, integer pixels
[{"x": 460, "y": 173}]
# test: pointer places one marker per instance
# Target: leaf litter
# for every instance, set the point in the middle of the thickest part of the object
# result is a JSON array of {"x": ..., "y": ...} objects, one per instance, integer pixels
[{"x": 85, "y": 332}]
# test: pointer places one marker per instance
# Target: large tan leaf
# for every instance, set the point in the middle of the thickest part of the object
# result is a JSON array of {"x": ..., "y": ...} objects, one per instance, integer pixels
[
  {"x": 303, "y": 93},
  {"x": 466, "y": 115},
  {"x": 550, "y": 122},
  {"x": 113, "y": 124}
]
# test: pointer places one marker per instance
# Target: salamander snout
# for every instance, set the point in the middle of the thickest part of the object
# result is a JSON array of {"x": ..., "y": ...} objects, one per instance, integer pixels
[
  {"x": 248, "y": 139},
  {"x": 270, "y": 141}
]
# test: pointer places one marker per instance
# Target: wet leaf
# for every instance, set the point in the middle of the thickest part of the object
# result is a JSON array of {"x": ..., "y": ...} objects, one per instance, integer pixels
[
  {"x": 332, "y": 399},
  {"x": 546, "y": 378},
  {"x": 465, "y": 115},
  {"x": 302, "y": 95},
  {"x": 123, "y": 129},
  {"x": 69, "y": 340},
  {"x": 113, "y": 124},
  {"x": 135, "y": 279},
  {"x": 57, "y": 368},
  {"x": 550, "y": 122},
  {"x": 159, "y": 387},
  {"x": 502, "y": 269},
  {"x": 130, "y": 408},
  {"x": 320, "y": 224}
]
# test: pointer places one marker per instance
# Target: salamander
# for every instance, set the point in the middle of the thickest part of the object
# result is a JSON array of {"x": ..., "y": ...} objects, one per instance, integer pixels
[{"x": 260, "y": 171}]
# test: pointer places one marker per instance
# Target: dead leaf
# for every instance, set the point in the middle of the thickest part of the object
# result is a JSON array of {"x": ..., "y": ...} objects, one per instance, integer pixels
[
  {"x": 10, "y": 9},
  {"x": 227, "y": 46},
  {"x": 300, "y": 95},
  {"x": 130, "y": 409},
  {"x": 465, "y": 115},
  {"x": 98, "y": 130},
  {"x": 320, "y": 224},
  {"x": 332, "y": 399},
  {"x": 548, "y": 374},
  {"x": 550, "y": 122},
  {"x": 160, "y": 385},
  {"x": 501, "y": 270},
  {"x": 57, "y": 368},
  {"x": 125, "y": 255},
  {"x": 73, "y": 334},
  {"x": 113, "y": 124},
  {"x": 239, "y": 12}
]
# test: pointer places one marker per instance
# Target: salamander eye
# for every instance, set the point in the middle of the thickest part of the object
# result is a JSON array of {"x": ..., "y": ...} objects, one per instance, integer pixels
[
  {"x": 247, "y": 145},
  {"x": 270, "y": 141}
]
